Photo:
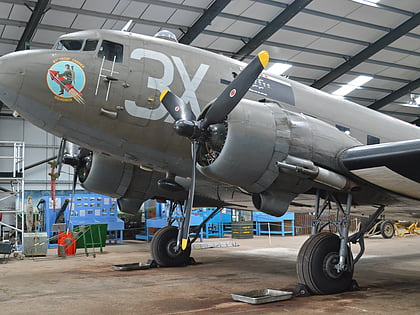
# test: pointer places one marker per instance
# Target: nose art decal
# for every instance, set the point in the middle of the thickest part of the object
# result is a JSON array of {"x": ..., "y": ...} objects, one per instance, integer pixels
[{"x": 66, "y": 80}]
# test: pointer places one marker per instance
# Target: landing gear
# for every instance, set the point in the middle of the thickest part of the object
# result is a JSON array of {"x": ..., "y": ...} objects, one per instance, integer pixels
[
  {"x": 387, "y": 229},
  {"x": 165, "y": 251},
  {"x": 325, "y": 263},
  {"x": 317, "y": 263},
  {"x": 166, "y": 246}
]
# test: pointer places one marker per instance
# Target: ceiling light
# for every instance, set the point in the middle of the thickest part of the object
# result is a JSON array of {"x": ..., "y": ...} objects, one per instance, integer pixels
[
  {"x": 352, "y": 85},
  {"x": 372, "y": 3},
  {"x": 279, "y": 68}
]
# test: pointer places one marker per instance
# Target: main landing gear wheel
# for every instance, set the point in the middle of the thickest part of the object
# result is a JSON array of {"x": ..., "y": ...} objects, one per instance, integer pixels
[
  {"x": 387, "y": 229},
  {"x": 163, "y": 248},
  {"x": 316, "y": 265}
]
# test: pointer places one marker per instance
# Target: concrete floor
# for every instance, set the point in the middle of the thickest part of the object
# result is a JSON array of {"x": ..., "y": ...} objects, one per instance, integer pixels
[{"x": 389, "y": 277}]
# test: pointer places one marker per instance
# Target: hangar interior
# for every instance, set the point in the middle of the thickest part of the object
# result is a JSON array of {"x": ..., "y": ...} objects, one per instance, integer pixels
[{"x": 365, "y": 51}]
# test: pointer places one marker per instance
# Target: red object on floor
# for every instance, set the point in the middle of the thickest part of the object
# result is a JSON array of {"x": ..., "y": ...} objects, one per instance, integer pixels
[{"x": 66, "y": 239}]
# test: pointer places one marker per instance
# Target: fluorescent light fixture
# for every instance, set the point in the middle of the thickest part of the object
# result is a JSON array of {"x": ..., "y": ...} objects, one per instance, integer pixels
[
  {"x": 352, "y": 85},
  {"x": 279, "y": 68},
  {"x": 372, "y": 3}
]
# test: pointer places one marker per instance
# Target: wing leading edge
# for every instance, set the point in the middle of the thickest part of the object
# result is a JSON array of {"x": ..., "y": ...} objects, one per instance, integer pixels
[{"x": 393, "y": 166}]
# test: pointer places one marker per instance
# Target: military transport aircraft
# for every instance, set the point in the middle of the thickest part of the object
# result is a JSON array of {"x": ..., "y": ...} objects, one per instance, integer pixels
[{"x": 148, "y": 111}]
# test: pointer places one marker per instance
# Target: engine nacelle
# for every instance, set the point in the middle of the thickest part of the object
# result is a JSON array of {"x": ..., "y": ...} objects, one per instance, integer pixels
[
  {"x": 130, "y": 184},
  {"x": 258, "y": 135}
]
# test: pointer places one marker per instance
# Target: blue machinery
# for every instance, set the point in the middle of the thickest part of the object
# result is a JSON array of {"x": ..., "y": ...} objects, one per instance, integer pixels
[
  {"x": 87, "y": 209},
  {"x": 221, "y": 223}
]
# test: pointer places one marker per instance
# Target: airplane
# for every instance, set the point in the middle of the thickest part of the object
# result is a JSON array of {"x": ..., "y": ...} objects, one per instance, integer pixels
[{"x": 148, "y": 111}]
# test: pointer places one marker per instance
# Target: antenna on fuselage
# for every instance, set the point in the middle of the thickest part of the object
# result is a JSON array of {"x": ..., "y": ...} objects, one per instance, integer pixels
[{"x": 127, "y": 26}]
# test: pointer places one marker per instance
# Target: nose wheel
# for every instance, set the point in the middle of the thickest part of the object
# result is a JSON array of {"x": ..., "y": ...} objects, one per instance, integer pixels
[{"x": 165, "y": 251}]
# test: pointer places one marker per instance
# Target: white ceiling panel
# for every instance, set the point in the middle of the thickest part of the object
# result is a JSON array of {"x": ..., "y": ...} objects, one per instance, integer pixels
[
  {"x": 243, "y": 29},
  {"x": 12, "y": 32},
  {"x": 226, "y": 44},
  {"x": 5, "y": 9},
  {"x": 336, "y": 46},
  {"x": 388, "y": 56},
  {"x": 238, "y": 6},
  {"x": 133, "y": 9},
  {"x": 413, "y": 6},
  {"x": 183, "y": 17},
  {"x": 46, "y": 36},
  {"x": 356, "y": 32},
  {"x": 406, "y": 42},
  {"x": 100, "y": 5},
  {"x": 378, "y": 16},
  {"x": 20, "y": 13},
  {"x": 262, "y": 12},
  {"x": 198, "y": 3},
  {"x": 114, "y": 24},
  {"x": 318, "y": 60},
  {"x": 305, "y": 73},
  {"x": 413, "y": 61},
  {"x": 6, "y": 48},
  {"x": 386, "y": 84},
  {"x": 315, "y": 23},
  {"x": 219, "y": 24},
  {"x": 292, "y": 38},
  {"x": 203, "y": 40},
  {"x": 73, "y": 3},
  {"x": 369, "y": 68},
  {"x": 145, "y": 29},
  {"x": 337, "y": 7},
  {"x": 400, "y": 73},
  {"x": 58, "y": 18},
  {"x": 87, "y": 22},
  {"x": 157, "y": 13}
]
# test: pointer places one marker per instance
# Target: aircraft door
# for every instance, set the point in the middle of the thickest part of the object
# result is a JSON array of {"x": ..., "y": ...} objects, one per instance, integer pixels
[{"x": 111, "y": 81}]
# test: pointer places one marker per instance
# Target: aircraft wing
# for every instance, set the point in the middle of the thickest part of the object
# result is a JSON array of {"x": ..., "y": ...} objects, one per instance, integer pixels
[{"x": 393, "y": 166}]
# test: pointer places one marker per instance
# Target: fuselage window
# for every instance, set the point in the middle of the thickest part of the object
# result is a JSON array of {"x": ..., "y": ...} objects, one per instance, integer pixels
[
  {"x": 111, "y": 51},
  {"x": 69, "y": 44},
  {"x": 373, "y": 140},
  {"x": 343, "y": 129},
  {"x": 90, "y": 45}
]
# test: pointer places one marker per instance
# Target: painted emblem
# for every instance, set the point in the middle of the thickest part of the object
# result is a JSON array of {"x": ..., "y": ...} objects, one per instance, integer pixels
[
  {"x": 232, "y": 93},
  {"x": 177, "y": 108},
  {"x": 66, "y": 79}
]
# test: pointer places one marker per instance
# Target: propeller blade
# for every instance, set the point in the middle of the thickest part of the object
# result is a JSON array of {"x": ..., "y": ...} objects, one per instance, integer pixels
[
  {"x": 60, "y": 156},
  {"x": 176, "y": 106},
  {"x": 190, "y": 200},
  {"x": 236, "y": 90}
]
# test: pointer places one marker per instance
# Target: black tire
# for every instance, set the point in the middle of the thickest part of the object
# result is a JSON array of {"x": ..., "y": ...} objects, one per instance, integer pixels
[
  {"x": 387, "y": 229},
  {"x": 315, "y": 265},
  {"x": 163, "y": 248}
]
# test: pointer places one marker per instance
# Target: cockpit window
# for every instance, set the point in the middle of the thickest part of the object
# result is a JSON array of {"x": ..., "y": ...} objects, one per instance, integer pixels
[
  {"x": 69, "y": 44},
  {"x": 90, "y": 45},
  {"x": 111, "y": 51}
]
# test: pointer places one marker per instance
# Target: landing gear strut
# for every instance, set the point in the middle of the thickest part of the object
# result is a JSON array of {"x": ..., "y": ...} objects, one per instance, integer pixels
[
  {"x": 325, "y": 263},
  {"x": 165, "y": 246}
]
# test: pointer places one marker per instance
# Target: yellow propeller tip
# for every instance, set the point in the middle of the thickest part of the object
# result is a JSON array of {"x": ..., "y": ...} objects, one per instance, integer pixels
[
  {"x": 184, "y": 244},
  {"x": 163, "y": 94},
  {"x": 264, "y": 58}
]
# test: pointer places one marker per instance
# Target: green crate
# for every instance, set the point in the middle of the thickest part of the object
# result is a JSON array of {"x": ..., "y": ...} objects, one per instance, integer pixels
[{"x": 90, "y": 235}]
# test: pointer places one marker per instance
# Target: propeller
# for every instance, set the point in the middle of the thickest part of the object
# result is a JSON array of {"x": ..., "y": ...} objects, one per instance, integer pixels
[{"x": 186, "y": 124}]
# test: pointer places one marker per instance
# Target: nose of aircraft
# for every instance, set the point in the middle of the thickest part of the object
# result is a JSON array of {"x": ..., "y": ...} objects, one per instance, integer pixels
[{"x": 11, "y": 77}]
